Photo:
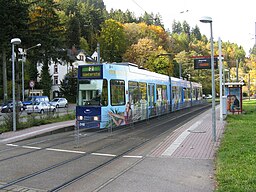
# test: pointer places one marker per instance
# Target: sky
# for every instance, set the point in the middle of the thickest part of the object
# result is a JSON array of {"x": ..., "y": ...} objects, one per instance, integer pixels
[{"x": 233, "y": 20}]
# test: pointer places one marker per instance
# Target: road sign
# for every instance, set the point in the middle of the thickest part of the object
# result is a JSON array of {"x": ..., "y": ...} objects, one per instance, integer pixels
[{"x": 32, "y": 84}]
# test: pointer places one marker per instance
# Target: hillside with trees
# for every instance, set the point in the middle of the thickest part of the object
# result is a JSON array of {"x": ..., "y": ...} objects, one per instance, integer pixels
[{"x": 62, "y": 25}]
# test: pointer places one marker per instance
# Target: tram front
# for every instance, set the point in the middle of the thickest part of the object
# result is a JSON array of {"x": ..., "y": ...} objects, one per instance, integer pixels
[{"x": 92, "y": 96}]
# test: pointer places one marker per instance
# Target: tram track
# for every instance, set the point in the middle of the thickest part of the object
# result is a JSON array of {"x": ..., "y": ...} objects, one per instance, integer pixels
[
  {"x": 144, "y": 136},
  {"x": 120, "y": 130},
  {"x": 62, "y": 186}
]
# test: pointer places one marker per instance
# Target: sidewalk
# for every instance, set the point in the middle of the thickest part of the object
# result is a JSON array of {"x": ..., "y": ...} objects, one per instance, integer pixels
[
  {"x": 193, "y": 140},
  {"x": 9, "y": 137}
]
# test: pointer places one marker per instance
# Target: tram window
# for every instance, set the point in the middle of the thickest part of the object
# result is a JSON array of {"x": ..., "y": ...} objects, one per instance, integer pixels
[
  {"x": 117, "y": 92},
  {"x": 175, "y": 94},
  {"x": 104, "y": 95},
  {"x": 134, "y": 92},
  {"x": 143, "y": 91},
  {"x": 189, "y": 93},
  {"x": 93, "y": 93},
  {"x": 161, "y": 92},
  {"x": 194, "y": 94}
]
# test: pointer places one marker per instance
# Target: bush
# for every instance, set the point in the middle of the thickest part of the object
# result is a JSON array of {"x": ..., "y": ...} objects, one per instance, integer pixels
[{"x": 245, "y": 94}]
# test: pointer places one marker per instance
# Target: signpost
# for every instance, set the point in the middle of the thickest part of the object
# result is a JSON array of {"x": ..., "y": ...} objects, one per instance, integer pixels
[{"x": 32, "y": 85}]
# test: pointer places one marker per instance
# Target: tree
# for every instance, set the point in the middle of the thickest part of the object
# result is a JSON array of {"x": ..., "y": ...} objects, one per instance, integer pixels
[
  {"x": 186, "y": 27},
  {"x": 195, "y": 32},
  {"x": 160, "y": 62},
  {"x": 84, "y": 45},
  {"x": 112, "y": 41},
  {"x": 176, "y": 27},
  {"x": 122, "y": 17},
  {"x": 46, "y": 80},
  {"x": 73, "y": 33},
  {"x": 151, "y": 19},
  {"x": 69, "y": 86},
  {"x": 46, "y": 29},
  {"x": 13, "y": 22}
]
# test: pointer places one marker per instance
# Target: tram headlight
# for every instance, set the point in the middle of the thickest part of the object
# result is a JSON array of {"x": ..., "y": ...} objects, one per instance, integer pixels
[
  {"x": 80, "y": 118},
  {"x": 96, "y": 118}
]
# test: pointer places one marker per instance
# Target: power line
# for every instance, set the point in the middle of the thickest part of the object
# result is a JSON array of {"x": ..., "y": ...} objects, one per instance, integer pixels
[
  {"x": 151, "y": 16},
  {"x": 138, "y": 5}
]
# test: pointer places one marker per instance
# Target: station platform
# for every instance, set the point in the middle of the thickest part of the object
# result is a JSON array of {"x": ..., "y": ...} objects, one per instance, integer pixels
[{"x": 182, "y": 162}]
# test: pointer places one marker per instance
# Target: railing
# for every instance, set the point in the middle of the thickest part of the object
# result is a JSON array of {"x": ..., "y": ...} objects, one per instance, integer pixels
[{"x": 23, "y": 117}]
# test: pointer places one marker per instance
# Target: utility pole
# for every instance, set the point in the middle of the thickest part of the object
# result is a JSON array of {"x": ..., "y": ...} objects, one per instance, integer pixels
[
  {"x": 98, "y": 51},
  {"x": 255, "y": 34},
  {"x": 237, "y": 62},
  {"x": 249, "y": 87}
]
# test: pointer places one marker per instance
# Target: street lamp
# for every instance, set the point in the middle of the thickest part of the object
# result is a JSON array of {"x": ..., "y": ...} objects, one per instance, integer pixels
[
  {"x": 209, "y": 20},
  {"x": 22, "y": 67},
  {"x": 14, "y": 41},
  {"x": 220, "y": 72}
]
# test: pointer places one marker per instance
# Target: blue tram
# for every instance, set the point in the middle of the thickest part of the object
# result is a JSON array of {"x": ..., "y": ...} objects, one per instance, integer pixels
[{"x": 121, "y": 93}]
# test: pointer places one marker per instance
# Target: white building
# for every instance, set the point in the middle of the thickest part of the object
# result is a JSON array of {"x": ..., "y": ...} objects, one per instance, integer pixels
[{"x": 60, "y": 69}]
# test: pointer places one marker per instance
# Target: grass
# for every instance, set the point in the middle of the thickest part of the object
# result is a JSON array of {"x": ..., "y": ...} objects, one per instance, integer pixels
[{"x": 236, "y": 157}]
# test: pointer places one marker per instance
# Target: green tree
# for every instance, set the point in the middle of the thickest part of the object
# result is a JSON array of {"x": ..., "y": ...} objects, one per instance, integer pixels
[
  {"x": 69, "y": 86},
  {"x": 176, "y": 27},
  {"x": 112, "y": 41},
  {"x": 195, "y": 32},
  {"x": 186, "y": 27},
  {"x": 160, "y": 62},
  {"x": 73, "y": 33},
  {"x": 46, "y": 28},
  {"x": 122, "y": 17},
  {"x": 46, "y": 80},
  {"x": 13, "y": 22},
  {"x": 84, "y": 45}
]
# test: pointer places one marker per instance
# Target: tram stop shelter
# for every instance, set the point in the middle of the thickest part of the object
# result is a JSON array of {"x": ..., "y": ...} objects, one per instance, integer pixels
[{"x": 234, "y": 97}]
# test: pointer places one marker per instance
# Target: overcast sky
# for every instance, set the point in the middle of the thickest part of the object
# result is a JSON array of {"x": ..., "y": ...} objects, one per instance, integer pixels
[{"x": 233, "y": 20}]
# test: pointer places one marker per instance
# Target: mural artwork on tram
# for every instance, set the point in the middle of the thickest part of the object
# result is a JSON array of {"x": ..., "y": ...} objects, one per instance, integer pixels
[{"x": 139, "y": 109}]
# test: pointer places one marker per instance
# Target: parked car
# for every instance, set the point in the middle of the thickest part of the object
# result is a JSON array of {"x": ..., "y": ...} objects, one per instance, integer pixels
[
  {"x": 35, "y": 99},
  {"x": 8, "y": 107},
  {"x": 59, "y": 102},
  {"x": 209, "y": 96},
  {"x": 40, "y": 107}
]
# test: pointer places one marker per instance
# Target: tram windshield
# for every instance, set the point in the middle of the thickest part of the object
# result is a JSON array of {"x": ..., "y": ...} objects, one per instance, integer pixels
[{"x": 93, "y": 93}]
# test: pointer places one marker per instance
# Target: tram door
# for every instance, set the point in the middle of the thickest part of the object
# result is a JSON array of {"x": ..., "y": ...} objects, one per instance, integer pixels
[{"x": 151, "y": 100}]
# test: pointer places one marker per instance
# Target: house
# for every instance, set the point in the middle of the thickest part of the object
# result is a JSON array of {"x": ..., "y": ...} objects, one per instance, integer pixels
[{"x": 59, "y": 69}]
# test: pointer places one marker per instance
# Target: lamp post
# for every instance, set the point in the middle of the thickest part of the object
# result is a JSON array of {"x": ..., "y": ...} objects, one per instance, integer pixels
[
  {"x": 209, "y": 20},
  {"x": 220, "y": 72},
  {"x": 180, "y": 70},
  {"x": 22, "y": 67},
  {"x": 14, "y": 42}
]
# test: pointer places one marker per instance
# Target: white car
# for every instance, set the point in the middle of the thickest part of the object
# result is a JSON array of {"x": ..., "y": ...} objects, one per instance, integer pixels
[
  {"x": 208, "y": 96},
  {"x": 59, "y": 102},
  {"x": 40, "y": 107}
]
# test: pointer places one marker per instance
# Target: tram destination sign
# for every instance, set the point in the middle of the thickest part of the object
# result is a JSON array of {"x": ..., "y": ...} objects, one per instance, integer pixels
[
  {"x": 90, "y": 72},
  {"x": 205, "y": 63}
]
